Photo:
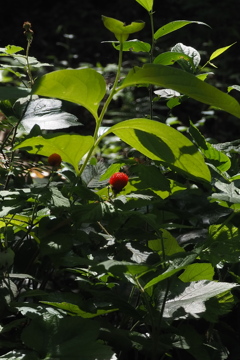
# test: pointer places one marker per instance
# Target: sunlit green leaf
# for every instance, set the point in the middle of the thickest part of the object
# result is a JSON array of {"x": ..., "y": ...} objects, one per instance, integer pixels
[
  {"x": 196, "y": 272},
  {"x": 169, "y": 243},
  {"x": 147, "y": 4},
  {"x": 218, "y": 52},
  {"x": 84, "y": 86},
  {"x": 173, "y": 26},
  {"x": 161, "y": 142},
  {"x": 71, "y": 148},
  {"x": 134, "y": 45},
  {"x": 183, "y": 82},
  {"x": 12, "y": 49},
  {"x": 120, "y": 29},
  {"x": 170, "y": 57}
]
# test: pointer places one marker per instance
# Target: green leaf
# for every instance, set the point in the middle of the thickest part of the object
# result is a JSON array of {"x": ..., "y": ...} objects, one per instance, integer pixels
[
  {"x": 65, "y": 338},
  {"x": 190, "y": 298},
  {"x": 218, "y": 52},
  {"x": 120, "y": 29},
  {"x": 163, "y": 143},
  {"x": 223, "y": 244},
  {"x": 12, "y": 49},
  {"x": 196, "y": 272},
  {"x": 173, "y": 26},
  {"x": 71, "y": 148},
  {"x": 134, "y": 45},
  {"x": 120, "y": 267},
  {"x": 147, "y": 4},
  {"x": 183, "y": 82},
  {"x": 169, "y": 243},
  {"x": 219, "y": 159},
  {"x": 48, "y": 115},
  {"x": 84, "y": 86},
  {"x": 170, "y": 57},
  {"x": 73, "y": 309},
  {"x": 9, "y": 92},
  {"x": 176, "y": 265},
  {"x": 192, "y": 53}
]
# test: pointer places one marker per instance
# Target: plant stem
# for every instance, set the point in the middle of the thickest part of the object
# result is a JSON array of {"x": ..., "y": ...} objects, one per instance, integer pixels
[
  {"x": 150, "y": 89},
  {"x": 104, "y": 110}
]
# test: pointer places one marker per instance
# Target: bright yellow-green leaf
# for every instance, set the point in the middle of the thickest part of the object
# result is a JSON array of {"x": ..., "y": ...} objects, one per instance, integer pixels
[
  {"x": 120, "y": 29},
  {"x": 197, "y": 272},
  {"x": 173, "y": 26},
  {"x": 147, "y": 4},
  {"x": 84, "y": 86},
  {"x": 218, "y": 52},
  {"x": 169, "y": 242},
  {"x": 71, "y": 148},
  {"x": 163, "y": 143},
  {"x": 183, "y": 82}
]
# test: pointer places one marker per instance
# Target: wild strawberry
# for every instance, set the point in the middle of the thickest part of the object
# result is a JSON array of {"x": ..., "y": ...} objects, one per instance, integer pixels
[
  {"x": 118, "y": 181},
  {"x": 54, "y": 160}
]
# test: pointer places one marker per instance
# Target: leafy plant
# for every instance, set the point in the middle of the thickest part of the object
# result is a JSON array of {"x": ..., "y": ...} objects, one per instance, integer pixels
[{"x": 146, "y": 268}]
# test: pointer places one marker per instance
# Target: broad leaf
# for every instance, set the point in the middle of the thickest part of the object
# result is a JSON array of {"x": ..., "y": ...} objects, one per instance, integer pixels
[
  {"x": 170, "y": 57},
  {"x": 183, "y": 82},
  {"x": 190, "y": 298},
  {"x": 169, "y": 243},
  {"x": 196, "y": 272},
  {"x": 71, "y": 148},
  {"x": 219, "y": 159},
  {"x": 191, "y": 53},
  {"x": 12, "y": 49},
  {"x": 84, "y": 86},
  {"x": 223, "y": 245},
  {"x": 173, "y": 26},
  {"x": 65, "y": 338},
  {"x": 48, "y": 115},
  {"x": 163, "y": 143}
]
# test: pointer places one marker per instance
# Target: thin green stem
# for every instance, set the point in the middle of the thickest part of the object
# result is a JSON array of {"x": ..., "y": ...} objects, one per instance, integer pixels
[
  {"x": 151, "y": 60},
  {"x": 28, "y": 65},
  {"x": 104, "y": 110}
]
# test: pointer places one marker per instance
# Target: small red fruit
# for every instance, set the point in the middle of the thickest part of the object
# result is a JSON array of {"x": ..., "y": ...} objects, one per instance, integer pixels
[
  {"x": 118, "y": 181},
  {"x": 54, "y": 160}
]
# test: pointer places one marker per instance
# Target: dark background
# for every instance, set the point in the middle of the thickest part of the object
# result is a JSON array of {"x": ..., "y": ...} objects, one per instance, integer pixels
[
  {"x": 70, "y": 33},
  {"x": 51, "y": 20}
]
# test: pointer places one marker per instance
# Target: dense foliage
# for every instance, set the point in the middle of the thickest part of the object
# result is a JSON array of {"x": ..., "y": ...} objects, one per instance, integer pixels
[{"x": 119, "y": 222}]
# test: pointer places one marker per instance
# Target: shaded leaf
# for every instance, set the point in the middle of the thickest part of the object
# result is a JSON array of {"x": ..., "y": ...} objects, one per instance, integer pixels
[
  {"x": 69, "y": 338},
  {"x": 163, "y": 143}
]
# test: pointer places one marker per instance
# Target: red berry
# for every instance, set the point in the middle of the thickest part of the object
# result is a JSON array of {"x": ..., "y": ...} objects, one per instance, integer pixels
[
  {"x": 54, "y": 160},
  {"x": 118, "y": 181}
]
